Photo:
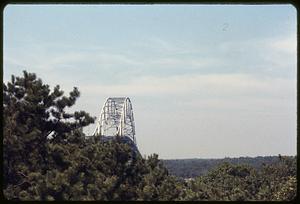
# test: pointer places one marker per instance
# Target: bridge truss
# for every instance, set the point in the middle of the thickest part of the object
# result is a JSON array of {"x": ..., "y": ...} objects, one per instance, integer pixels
[{"x": 116, "y": 118}]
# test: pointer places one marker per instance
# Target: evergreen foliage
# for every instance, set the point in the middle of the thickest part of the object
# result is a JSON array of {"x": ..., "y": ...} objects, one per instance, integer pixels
[
  {"x": 46, "y": 157},
  {"x": 241, "y": 182}
]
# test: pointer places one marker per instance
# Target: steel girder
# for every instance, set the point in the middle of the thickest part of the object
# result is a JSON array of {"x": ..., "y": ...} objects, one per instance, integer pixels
[{"x": 116, "y": 118}]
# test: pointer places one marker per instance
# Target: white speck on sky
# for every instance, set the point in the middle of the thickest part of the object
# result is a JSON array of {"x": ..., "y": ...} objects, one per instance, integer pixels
[{"x": 206, "y": 81}]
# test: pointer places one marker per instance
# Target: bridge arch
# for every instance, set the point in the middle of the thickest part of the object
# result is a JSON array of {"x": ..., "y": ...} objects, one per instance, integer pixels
[{"x": 116, "y": 118}]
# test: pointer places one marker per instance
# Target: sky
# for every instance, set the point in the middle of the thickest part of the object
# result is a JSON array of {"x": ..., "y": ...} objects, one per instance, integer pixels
[{"x": 205, "y": 81}]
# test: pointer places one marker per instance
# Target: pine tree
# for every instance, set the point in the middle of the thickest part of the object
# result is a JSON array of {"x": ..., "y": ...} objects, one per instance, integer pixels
[{"x": 33, "y": 116}]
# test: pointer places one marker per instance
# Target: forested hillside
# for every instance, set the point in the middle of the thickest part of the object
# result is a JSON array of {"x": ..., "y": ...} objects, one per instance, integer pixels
[
  {"x": 189, "y": 168},
  {"x": 46, "y": 157}
]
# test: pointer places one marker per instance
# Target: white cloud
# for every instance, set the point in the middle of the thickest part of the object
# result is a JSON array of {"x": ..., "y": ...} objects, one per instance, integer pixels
[
  {"x": 287, "y": 44},
  {"x": 266, "y": 56},
  {"x": 200, "y": 85},
  {"x": 164, "y": 46}
]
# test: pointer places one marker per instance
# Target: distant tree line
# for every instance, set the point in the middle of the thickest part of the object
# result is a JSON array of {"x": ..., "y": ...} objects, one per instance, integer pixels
[
  {"x": 46, "y": 157},
  {"x": 190, "y": 168}
]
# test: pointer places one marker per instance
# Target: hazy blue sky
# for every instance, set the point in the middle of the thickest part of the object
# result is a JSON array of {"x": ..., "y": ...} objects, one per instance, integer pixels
[{"x": 205, "y": 81}]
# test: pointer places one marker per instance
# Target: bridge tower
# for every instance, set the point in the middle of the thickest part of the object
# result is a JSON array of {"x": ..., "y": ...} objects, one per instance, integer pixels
[{"x": 116, "y": 118}]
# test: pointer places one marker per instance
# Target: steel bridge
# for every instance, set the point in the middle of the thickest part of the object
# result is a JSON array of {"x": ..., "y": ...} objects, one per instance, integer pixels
[{"x": 116, "y": 119}]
